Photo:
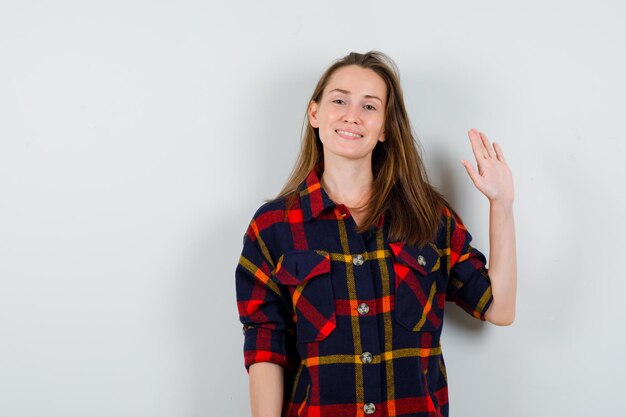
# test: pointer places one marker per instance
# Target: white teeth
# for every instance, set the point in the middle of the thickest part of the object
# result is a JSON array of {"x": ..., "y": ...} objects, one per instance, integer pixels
[{"x": 354, "y": 135}]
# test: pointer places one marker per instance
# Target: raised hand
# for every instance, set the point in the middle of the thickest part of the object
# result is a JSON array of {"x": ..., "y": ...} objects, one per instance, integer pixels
[{"x": 494, "y": 178}]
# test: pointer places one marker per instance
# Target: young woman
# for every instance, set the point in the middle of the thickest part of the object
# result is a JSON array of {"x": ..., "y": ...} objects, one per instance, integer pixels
[{"x": 343, "y": 277}]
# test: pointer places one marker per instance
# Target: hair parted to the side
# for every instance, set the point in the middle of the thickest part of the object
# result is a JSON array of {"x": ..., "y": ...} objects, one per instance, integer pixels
[{"x": 401, "y": 188}]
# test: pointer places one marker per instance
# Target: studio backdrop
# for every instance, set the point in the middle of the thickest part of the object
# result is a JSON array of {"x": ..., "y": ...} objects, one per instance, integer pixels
[{"x": 138, "y": 138}]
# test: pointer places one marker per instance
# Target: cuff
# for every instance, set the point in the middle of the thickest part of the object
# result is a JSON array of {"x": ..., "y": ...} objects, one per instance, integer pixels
[
  {"x": 265, "y": 345},
  {"x": 478, "y": 307}
]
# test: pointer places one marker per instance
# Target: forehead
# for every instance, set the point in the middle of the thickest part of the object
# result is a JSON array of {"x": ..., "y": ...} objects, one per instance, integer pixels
[{"x": 358, "y": 81}]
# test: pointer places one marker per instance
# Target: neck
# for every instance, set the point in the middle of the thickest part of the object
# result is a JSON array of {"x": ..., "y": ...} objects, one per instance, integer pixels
[{"x": 349, "y": 182}]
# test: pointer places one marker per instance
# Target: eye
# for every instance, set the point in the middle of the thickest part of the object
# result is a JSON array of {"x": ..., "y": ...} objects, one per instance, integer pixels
[
  {"x": 338, "y": 101},
  {"x": 369, "y": 107}
]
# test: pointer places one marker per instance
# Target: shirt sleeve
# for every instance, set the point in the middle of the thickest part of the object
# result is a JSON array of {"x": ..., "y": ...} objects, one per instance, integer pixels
[
  {"x": 267, "y": 328},
  {"x": 469, "y": 285}
]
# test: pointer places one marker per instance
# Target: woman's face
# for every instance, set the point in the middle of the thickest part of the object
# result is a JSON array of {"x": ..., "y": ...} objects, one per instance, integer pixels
[{"x": 350, "y": 115}]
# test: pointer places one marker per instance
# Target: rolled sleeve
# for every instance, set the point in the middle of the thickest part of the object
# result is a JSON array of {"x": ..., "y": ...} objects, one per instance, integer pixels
[
  {"x": 469, "y": 285},
  {"x": 265, "y": 345},
  {"x": 262, "y": 310}
]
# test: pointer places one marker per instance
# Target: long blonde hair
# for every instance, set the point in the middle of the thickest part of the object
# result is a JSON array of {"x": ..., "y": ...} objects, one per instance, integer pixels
[{"x": 401, "y": 186}]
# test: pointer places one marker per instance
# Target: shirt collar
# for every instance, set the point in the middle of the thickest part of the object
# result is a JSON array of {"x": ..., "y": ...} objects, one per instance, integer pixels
[{"x": 313, "y": 198}]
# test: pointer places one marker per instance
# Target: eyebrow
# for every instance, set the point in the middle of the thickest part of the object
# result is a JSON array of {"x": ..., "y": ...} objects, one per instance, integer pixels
[{"x": 347, "y": 92}]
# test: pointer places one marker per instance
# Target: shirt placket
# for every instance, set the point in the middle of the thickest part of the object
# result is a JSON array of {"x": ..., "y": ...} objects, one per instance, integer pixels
[{"x": 368, "y": 355}]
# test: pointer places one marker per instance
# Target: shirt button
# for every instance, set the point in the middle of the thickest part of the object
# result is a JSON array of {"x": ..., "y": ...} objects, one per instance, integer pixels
[
  {"x": 421, "y": 260},
  {"x": 369, "y": 408},
  {"x": 363, "y": 308},
  {"x": 366, "y": 357},
  {"x": 357, "y": 259}
]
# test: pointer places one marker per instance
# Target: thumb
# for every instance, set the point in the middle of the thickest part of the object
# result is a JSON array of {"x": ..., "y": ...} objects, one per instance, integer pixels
[{"x": 471, "y": 172}]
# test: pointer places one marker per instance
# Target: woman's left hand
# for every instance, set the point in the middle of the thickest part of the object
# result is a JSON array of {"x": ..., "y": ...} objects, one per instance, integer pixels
[{"x": 494, "y": 178}]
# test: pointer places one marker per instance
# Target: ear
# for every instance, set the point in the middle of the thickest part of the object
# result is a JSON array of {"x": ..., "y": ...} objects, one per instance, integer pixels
[
  {"x": 312, "y": 110},
  {"x": 382, "y": 136}
]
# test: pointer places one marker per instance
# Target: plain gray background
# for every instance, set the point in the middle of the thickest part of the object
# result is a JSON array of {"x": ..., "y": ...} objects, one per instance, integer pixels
[{"x": 139, "y": 137}]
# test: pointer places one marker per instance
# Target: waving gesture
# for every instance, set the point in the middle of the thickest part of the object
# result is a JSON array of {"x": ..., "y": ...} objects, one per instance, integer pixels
[
  {"x": 494, "y": 178},
  {"x": 495, "y": 181}
]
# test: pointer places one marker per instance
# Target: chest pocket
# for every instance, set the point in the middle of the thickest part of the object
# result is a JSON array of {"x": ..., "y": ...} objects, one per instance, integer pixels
[
  {"x": 419, "y": 300},
  {"x": 306, "y": 273}
]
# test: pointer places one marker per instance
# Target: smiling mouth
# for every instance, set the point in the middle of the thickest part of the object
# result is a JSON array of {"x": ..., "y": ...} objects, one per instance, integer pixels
[{"x": 349, "y": 134}]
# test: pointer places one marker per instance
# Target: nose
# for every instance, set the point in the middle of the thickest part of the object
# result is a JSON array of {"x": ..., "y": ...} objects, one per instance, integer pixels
[{"x": 351, "y": 115}]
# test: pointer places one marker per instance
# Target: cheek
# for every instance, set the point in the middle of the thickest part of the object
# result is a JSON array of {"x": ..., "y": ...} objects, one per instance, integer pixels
[
  {"x": 376, "y": 124},
  {"x": 327, "y": 122},
  {"x": 328, "y": 116}
]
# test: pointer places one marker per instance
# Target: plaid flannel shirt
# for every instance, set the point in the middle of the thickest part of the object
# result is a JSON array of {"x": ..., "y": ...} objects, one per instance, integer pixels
[{"x": 354, "y": 319}]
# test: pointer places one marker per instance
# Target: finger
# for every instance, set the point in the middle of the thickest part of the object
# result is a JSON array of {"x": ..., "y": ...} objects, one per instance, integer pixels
[
  {"x": 499, "y": 152},
  {"x": 471, "y": 172},
  {"x": 477, "y": 147},
  {"x": 487, "y": 145}
]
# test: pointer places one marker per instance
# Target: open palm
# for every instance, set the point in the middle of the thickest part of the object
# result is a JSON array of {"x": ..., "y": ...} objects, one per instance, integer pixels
[{"x": 493, "y": 178}]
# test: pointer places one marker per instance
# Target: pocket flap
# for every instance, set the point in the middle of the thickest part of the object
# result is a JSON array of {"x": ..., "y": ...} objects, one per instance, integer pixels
[
  {"x": 424, "y": 260},
  {"x": 296, "y": 267}
]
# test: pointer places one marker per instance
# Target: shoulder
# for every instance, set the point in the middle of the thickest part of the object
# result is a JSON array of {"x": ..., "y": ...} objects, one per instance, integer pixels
[
  {"x": 452, "y": 232},
  {"x": 267, "y": 228},
  {"x": 272, "y": 217},
  {"x": 448, "y": 214},
  {"x": 274, "y": 211}
]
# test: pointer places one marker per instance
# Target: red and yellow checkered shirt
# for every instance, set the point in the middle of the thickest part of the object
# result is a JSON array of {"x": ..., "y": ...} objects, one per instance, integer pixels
[{"x": 354, "y": 319}]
